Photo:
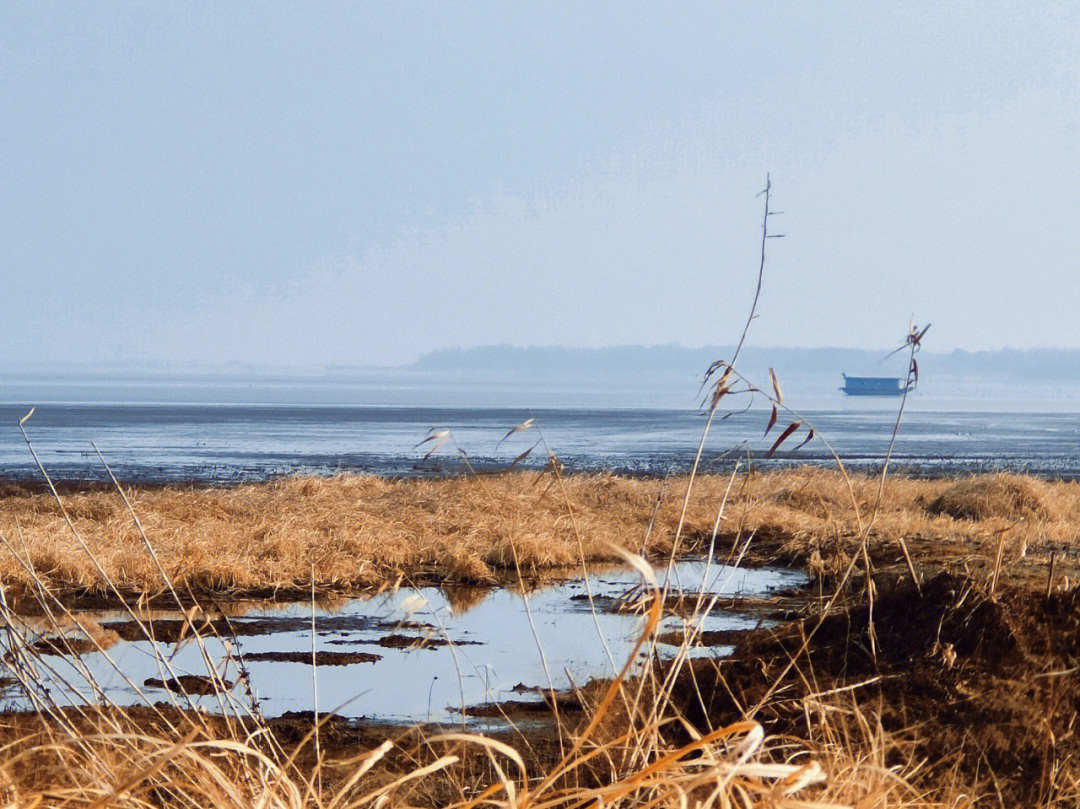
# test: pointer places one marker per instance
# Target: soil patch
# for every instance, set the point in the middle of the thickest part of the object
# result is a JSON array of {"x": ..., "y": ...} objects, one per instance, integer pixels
[
  {"x": 193, "y": 684},
  {"x": 66, "y": 646},
  {"x": 175, "y": 630},
  {"x": 986, "y": 685},
  {"x": 320, "y": 658},
  {"x": 713, "y": 637},
  {"x": 407, "y": 642}
]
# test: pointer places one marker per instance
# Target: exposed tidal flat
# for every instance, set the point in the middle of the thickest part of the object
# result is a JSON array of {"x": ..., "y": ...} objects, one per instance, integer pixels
[{"x": 228, "y": 444}]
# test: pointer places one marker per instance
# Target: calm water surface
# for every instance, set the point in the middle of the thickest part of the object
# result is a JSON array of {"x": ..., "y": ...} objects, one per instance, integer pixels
[
  {"x": 227, "y": 443},
  {"x": 487, "y": 647}
]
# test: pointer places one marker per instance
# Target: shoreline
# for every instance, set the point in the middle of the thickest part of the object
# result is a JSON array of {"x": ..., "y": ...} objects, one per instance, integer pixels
[{"x": 901, "y": 465}]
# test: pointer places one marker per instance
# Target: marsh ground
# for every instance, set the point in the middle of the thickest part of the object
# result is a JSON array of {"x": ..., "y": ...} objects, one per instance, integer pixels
[{"x": 959, "y": 682}]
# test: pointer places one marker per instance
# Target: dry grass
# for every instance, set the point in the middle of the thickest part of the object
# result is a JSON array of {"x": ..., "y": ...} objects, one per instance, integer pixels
[
  {"x": 365, "y": 531},
  {"x": 625, "y": 749},
  {"x": 634, "y": 744},
  {"x": 733, "y": 766},
  {"x": 1008, "y": 496}
]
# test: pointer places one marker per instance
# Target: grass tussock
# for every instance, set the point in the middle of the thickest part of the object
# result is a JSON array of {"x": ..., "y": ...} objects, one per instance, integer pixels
[{"x": 1009, "y": 497}]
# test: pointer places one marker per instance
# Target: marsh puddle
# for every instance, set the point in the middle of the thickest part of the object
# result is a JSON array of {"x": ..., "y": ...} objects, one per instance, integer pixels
[{"x": 421, "y": 655}]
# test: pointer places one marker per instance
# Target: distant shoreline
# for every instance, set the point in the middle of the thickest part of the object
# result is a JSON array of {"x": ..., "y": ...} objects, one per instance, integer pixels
[{"x": 1049, "y": 364}]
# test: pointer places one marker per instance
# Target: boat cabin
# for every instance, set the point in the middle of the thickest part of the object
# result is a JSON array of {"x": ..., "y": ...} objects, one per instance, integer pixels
[{"x": 874, "y": 386}]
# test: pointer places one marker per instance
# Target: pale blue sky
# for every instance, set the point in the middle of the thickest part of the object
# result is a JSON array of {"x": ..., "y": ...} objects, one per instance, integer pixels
[{"x": 360, "y": 183}]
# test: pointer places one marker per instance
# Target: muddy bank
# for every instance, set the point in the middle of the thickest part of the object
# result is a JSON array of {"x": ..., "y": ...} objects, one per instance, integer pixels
[
  {"x": 984, "y": 690},
  {"x": 981, "y": 692}
]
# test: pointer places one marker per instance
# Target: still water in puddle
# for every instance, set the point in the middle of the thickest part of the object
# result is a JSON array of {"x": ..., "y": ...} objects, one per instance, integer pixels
[{"x": 482, "y": 646}]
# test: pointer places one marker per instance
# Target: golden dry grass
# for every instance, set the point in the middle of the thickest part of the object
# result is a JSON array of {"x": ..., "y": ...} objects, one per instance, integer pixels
[
  {"x": 985, "y": 498},
  {"x": 734, "y": 766},
  {"x": 357, "y": 531}
]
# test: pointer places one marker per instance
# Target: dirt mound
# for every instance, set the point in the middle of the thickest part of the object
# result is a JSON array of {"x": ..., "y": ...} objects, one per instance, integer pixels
[
  {"x": 193, "y": 684},
  {"x": 321, "y": 658},
  {"x": 1005, "y": 496}
]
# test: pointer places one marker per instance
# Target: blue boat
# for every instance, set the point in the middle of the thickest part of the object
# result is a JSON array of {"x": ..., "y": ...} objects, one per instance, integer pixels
[{"x": 875, "y": 386}]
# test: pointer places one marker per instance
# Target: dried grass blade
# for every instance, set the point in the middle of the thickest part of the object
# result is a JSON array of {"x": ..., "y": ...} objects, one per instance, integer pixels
[
  {"x": 772, "y": 421},
  {"x": 435, "y": 447},
  {"x": 435, "y": 766},
  {"x": 805, "y": 441},
  {"x": 784, "y": 436},
  {"x": 637, "y": 562},
  {"x": 146, "y": 772},
  {"x": 776, "y": 386},
  {"x": 525, "y": 454},
  {"x": 525, "y": 425},
  {"x": 434, "y": 435},
  {"x": 370, "y": 760}
]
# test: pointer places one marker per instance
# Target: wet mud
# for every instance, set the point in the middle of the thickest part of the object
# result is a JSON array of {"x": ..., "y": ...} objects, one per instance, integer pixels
[
  {"x": 709, "y": 639},
  {"x": 318, "y": 659},
  {"x": 172, "y": 631},
  {"x": 189, "y": 684},
  {"x": 983, "y": 686},
  {"x": 65, "y": 646}
]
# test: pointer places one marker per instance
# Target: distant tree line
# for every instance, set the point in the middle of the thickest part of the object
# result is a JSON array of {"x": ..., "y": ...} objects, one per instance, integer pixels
[{"x": 1048, "y": 364}]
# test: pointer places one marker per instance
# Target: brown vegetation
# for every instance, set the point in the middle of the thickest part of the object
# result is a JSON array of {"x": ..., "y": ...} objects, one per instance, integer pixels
[
  {"x": 982, "y": 690},
  {"x": 963, "y": 686},
  {"x": 356, "y": 532},
  {"x": 1008, "y": 496}
]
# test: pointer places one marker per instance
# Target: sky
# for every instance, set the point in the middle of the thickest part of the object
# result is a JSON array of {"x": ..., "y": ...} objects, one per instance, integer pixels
[{"x": 288, "y": 184}]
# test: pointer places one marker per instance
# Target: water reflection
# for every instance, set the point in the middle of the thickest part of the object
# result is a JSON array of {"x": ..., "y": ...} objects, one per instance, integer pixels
[{"x": 416, "y": 654}]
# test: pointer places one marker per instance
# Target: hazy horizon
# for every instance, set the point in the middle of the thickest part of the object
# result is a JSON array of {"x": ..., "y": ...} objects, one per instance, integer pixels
[
  {"x": 361, "y": 184},
  {"x": 565, "y": 362}
]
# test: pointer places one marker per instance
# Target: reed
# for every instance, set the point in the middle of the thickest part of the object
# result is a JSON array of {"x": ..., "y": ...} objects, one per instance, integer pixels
[
  {"x": 362, "y": 532},
  {"x": 623, "y": 753}
]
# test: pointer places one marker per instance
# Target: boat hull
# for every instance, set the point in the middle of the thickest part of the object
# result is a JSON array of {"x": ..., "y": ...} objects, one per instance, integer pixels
[{"x": 874, "y": 386}]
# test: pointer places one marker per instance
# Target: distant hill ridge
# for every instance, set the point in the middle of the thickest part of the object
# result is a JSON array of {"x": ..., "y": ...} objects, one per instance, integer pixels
[{"x": 1050, "y": 364}]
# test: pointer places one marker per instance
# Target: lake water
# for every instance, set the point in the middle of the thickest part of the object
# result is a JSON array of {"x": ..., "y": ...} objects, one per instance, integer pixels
[{"x": 483, "y": 647}]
